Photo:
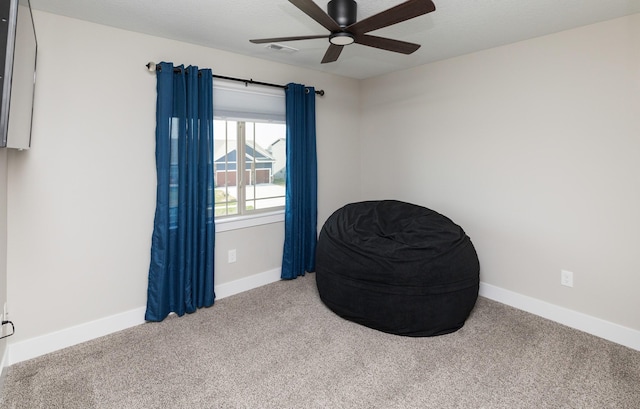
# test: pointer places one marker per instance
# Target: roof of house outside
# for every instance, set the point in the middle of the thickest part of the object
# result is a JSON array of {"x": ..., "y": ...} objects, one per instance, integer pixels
[{"x": 262, "y": 155}]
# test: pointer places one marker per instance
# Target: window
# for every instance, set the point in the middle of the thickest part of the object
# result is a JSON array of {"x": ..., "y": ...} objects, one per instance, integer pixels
[
  {"x": 249, "y": 166},
  {"x": 249, "y": 151}
]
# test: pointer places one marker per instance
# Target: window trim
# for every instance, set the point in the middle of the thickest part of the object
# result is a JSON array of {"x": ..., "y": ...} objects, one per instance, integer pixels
[
  {"x": 229, "y": 223},
  {"x": 235, "y": 102}
]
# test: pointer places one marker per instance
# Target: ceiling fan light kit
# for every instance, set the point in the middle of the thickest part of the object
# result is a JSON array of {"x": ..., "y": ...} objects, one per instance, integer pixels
[
  {"x": 341, "y": 38},
  {"x": 344, "y": 29}
]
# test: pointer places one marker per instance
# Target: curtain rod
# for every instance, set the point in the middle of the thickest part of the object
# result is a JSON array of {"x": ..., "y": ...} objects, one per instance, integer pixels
[{"x": 151, "y": 66}]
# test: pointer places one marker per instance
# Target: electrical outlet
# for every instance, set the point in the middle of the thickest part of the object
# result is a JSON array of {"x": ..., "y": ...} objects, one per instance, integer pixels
[
  {"x": 232, "y": 256},
  {"x": 566, "y": 278}
]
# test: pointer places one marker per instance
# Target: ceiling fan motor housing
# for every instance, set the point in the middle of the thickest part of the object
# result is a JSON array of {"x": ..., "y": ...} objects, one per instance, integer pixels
[{"x": 343, "y": 12}]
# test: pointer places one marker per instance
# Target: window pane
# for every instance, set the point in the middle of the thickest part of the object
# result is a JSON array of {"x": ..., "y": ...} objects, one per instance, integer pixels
[
  {"x": 249, "y": 163},
  {"x": 265, "y": 164},
  {"x": 225, "y": 164}
]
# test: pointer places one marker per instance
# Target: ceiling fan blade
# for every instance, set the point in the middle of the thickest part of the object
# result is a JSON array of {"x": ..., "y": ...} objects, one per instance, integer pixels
[
  {"x": 387, "y": 44},
  {"x": 281, "y": 39},
  {"x": 401, "y": 12},
  {"x": 332, "y": 54},
  {"x": 314, "y": 11}
]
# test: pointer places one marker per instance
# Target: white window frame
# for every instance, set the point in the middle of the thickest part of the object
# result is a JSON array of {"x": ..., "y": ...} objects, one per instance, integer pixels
[
  {"x": 228, "y": 223},
  {"x": 237, "y": 102}
]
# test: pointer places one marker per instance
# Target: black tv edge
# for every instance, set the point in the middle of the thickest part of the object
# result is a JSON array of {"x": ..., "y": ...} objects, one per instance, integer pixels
[{"x": 18, "y": 54}]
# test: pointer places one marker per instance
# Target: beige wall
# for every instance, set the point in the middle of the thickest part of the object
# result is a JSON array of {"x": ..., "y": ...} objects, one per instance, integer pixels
[
  {"x": 81, "y": 201},
  {"x": 531, "y": 147},
  {"x": 534, "y": 149},
  {"x": 3, "y": 242}
]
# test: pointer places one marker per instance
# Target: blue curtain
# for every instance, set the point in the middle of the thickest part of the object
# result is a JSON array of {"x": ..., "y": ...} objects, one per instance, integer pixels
[
  {"x": 301, "y": 201},
  {"x": 181, "y": 269}
]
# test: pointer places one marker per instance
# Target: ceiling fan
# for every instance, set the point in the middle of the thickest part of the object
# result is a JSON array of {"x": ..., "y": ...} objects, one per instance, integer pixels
[{"x": 341, "y": 20}]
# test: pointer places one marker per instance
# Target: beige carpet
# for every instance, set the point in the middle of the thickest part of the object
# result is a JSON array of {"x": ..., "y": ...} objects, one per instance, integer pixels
[{"x": 279, "y": 347}]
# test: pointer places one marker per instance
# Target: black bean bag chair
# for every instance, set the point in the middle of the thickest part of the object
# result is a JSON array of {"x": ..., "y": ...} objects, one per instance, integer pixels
[{"x": 398, "y": 268}]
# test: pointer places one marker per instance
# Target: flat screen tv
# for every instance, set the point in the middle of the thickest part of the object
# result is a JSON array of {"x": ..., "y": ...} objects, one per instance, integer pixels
[{"x": 18, "y": 53}]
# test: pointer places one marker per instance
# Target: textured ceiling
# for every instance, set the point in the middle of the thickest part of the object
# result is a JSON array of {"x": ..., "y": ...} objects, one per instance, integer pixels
[{"x": 456, "y": 27}]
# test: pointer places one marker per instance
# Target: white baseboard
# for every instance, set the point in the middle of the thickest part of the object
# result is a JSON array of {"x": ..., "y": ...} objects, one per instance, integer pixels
[
  {"x": 34, "y": 347},
  {"x": 5, "y": 359},
  {"x": 44, "y": 344},
  {"x": 586, "y": 323},
  {"x": 3, "y": 368},
  {"x": 247, "y": 283}
]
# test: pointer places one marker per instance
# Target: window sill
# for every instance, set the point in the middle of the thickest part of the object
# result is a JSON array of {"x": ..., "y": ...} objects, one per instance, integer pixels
[{"x": 242, "y": 222}]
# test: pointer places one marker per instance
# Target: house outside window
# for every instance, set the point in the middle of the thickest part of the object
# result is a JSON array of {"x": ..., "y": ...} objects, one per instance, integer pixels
[{"x": 248, "y": 167}]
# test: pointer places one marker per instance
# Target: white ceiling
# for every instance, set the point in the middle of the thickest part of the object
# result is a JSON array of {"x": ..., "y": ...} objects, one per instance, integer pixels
[{"x": 456, "y": 27}]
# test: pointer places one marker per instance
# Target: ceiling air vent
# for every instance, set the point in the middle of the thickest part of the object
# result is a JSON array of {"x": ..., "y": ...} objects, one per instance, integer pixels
[{"x": 281, "y": 48}]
